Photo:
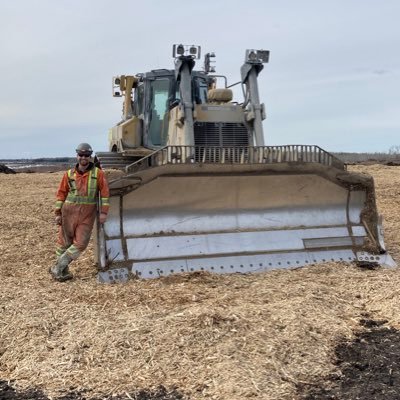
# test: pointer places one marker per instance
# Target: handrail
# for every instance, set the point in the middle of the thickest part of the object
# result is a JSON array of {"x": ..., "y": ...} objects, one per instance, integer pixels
[{"x": 236, "y": 155}]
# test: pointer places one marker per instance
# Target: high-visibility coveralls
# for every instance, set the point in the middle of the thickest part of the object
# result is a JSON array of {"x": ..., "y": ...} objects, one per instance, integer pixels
[{"x": 77, "y": 199}]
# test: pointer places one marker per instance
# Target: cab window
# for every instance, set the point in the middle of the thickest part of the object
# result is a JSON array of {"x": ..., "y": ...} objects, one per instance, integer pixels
[{"x": 159, "y": 111}]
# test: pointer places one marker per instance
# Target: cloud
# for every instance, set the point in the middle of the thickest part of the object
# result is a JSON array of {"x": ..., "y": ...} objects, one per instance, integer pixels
[{"x": 330, "y": 61}]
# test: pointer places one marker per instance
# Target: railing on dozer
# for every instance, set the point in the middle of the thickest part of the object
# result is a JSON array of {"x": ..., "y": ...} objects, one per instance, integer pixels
[{"x": 237, "y": 155}]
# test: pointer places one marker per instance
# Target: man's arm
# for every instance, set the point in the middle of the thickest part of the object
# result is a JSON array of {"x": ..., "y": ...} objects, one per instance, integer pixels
[{"x": 61, "y": 195}]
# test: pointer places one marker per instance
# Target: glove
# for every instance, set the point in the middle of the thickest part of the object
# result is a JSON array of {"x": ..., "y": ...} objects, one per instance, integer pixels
[
  {"x": 102, "y": 218},
  {"x": 58, "y": 219}
]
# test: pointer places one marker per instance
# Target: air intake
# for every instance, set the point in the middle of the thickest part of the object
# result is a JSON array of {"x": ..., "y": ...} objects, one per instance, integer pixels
[{"x": 218, "y": 135}]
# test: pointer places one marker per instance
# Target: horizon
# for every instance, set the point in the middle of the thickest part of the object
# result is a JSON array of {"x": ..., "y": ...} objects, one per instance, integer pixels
[{"x": 70, "y": 158}]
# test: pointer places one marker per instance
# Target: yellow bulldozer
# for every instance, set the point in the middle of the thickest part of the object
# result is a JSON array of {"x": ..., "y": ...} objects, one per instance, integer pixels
[{"x": 200, "y": 191}]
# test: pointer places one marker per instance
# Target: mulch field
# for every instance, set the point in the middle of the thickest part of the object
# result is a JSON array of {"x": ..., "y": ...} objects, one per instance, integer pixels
[{"x": 330, "y": 331}]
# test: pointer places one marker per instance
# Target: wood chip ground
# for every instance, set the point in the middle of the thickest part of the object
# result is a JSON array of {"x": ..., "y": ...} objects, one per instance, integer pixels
[{"x": 206, "y": 336}]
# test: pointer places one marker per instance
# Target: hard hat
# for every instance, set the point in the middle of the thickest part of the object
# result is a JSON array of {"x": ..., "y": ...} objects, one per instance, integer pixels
[{"x": 86, "y": 147}]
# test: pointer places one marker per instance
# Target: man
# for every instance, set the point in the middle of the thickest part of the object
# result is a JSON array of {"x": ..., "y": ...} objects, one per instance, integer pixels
[{"x": 81, "y": 191}]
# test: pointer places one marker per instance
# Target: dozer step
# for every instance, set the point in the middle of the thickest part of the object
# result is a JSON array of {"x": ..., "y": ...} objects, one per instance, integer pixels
[{"x": 114, "y": 160}]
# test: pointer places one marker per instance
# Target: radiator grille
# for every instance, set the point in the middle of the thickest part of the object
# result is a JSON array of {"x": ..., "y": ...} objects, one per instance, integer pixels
[
  {"x": 217, "y": 135},
  {"x": 220, "y": 134}
]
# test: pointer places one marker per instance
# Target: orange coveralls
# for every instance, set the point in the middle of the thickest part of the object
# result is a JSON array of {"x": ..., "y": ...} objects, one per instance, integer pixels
[{"x": 77, "y": 199}]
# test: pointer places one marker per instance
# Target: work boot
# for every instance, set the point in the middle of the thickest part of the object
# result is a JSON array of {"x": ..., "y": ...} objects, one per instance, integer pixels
[
  {"x": 66, "y": 275},
  {"x": 60, "y": 271}
]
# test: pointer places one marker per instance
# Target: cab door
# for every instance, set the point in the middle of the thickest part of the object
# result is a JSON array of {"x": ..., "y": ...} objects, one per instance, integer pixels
[{"x": 157, "y": 112}]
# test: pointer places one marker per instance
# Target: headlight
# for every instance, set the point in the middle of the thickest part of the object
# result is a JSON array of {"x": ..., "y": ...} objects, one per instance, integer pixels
[
  {"x": 179, "y": 50},
  {"x": 257, "y": 56}
]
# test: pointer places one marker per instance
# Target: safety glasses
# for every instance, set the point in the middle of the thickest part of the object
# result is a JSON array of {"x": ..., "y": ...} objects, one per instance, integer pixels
[{"x": 84, "y": 154}]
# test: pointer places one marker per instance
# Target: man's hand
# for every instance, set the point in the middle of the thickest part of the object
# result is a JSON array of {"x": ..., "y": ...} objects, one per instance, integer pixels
[
  {"x": 102, "y": 218},
  {"x": 58, "y": 219}
]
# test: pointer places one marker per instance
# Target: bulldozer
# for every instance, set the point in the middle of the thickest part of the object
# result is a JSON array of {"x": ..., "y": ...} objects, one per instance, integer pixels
[{"x": 198, "y": 189}]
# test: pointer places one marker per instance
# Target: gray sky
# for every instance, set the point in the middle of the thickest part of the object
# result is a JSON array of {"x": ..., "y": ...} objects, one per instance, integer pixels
[{"x": 333, "y": 77}]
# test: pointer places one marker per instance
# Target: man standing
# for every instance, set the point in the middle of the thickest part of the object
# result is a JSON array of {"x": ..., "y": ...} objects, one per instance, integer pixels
[{"x": 81, "y": 190}]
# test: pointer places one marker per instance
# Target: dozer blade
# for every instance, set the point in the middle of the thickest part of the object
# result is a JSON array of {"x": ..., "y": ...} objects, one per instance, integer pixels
[{"x": 182, "y": 211}]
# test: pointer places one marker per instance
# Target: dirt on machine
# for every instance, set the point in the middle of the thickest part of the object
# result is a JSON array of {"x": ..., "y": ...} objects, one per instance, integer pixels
[{"x": 200, "y": 191}]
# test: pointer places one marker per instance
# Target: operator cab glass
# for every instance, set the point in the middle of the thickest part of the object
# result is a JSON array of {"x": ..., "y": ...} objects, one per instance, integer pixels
[
  {"x": 200, "y": 90},
  {"x": 158, "y": 117},
  {"x": 138, "y": 105},
  {"x": 163, "y": 94}
]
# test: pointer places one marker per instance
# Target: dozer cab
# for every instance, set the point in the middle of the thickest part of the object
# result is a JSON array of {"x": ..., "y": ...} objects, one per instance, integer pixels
[{"x": 200, "y": 191}]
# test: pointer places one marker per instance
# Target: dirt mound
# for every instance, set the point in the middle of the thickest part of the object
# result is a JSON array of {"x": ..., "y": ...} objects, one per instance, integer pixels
[
  {"x": 368, "y": 367},
  {"x": 5, "y": 170},
  {"x": 8, "y": 392},
  {"x": 393, "y": 163}
]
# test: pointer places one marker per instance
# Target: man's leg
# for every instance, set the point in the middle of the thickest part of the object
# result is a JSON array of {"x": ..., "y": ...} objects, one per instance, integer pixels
[
  {"x": 73, "y": 238},
  {"x": 60, "y": 270},
  {"x": 81, "y": 239}
]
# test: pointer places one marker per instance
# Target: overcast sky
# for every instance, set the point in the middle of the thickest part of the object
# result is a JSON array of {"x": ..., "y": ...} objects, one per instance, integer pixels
[{"x": 333, "y": 77}]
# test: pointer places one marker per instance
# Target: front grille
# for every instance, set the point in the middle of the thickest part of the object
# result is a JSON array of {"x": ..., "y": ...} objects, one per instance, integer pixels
[
  {"x": 220, "y": 134},
  {"x": 217, "y": 135}
]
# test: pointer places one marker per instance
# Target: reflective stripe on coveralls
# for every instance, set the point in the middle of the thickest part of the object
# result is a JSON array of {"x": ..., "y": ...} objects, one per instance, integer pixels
[
  {"x": 78, "y": 216},
  {"x": 74, "y": 197}
]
